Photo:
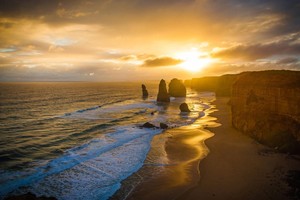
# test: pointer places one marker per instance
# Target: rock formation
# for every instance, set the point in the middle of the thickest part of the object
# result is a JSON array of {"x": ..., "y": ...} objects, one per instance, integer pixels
[
  {"x": 29, "y": 196},
  {"x": 265, "y": 105},
  {"x": 177, "y": 88},
  {"x": 144, "y": 90},
  {"x": 184, "y": 107},
  {"x": 224, "y": 84},
  {"x": 163, "y": 95},
  {"x": 148, "y": 125},
  {"x": 221, "y": 85},
  {"x": 205, "y": 83},
  {"x": 163, "y": 126}
]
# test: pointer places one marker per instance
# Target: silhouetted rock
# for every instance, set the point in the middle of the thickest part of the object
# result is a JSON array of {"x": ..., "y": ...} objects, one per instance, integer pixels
[
  {"x": 29, "y": 196},
  {"x": 265, "y": 105},
  {"x": 163, "y": 126},
  {"x": 177, "y": 88},
  {"x": 148, "y": 125},
  {"x": 221, "y": 85},
  {"x": 144, "y": 90},
  {"x": 184, "y": 107},
  {"x": 163, "y": 95}
]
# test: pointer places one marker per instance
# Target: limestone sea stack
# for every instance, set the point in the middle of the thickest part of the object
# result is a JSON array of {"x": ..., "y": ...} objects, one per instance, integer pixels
[
  {"x": 177, "y": 88},
  {"x": 163, "y": 95},
  {"x": 184, "y": 107},
  {"x": 145, "y": 91}
]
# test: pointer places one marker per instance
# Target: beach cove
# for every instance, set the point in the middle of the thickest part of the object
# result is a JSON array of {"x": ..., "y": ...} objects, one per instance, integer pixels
[
  {"x": 182, "y": 149},
  {"x": 219, "y": 163}
]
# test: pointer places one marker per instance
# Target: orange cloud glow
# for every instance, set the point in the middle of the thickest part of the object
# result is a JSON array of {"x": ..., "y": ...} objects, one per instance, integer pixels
[{"x": 124, "y": 40}]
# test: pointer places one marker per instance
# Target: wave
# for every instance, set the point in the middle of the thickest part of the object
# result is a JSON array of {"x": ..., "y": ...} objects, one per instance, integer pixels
[
  {"x": 87, "y": 109},
  {"x": 95, "y": 169},
  {"x": 99, "y": 106},
  {"x": 104, "y": 162},
  {"x": 98, "y": 112}
]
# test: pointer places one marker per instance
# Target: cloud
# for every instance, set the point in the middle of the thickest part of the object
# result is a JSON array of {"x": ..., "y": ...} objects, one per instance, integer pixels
[
  {"x": 253, "y": 52},
  {"x": 140, "y": 57},
  {"x": 288, "y": 60},
  {"x": 219, "y": 68},
  {"x": 276, "y": 17},
  {"x": 160, "y": 62},
  {"x": 129, "y": 33}
]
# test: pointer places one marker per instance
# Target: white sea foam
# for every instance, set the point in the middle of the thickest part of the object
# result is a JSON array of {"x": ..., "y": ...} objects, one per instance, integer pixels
[
  {"x": 93, "y": 170},
  {"x": 101, "y": 112}
]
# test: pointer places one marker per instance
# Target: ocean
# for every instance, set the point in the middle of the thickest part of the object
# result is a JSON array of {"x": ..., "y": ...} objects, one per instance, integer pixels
[{"x": 81, "y": 140}]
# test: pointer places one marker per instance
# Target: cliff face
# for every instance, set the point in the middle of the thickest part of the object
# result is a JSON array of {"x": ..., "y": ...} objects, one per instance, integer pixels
[
  {"x": 221, "y": 85},
  {"x": 266, "y": 106},
  {"x": 205, "y": 83}
]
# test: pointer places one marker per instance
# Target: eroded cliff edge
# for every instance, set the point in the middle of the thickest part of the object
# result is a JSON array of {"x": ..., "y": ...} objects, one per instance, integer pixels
[{"x": 266, "y": 106}]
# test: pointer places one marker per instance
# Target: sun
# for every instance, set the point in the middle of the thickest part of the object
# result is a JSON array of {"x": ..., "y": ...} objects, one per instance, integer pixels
[{"x": 193, "y": 60}]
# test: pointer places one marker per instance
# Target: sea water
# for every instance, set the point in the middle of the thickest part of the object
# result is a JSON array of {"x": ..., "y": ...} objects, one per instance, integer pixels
[{"x": 80, "y": 140}]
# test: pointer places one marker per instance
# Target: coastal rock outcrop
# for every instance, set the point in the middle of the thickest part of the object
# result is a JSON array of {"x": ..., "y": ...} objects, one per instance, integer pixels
[
  {"x": 163, "y": 95},
  {"x": 144, "y": 91},
  {"x": 265, "y": 105},
  {"x": 148, "y": 125},
  {"x": 29, "y": 196},
  {"x": 163, "y": 126},
  {"x": 221, "y": 85},
  {"x": 177, "y": 88},
  {"x": 184, "y": 107}
]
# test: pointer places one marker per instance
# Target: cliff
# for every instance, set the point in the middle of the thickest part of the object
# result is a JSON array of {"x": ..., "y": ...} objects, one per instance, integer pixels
[
  {"x": 266, "y": 106},
  {"x": 204, "y": 83},
  {"x": 221, "y": 85}
]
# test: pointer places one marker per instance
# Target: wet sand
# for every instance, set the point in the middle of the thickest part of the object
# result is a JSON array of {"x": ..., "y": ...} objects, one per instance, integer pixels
[
  {"x": 181, "y": 150},
  {"x": 236, "y": 166}
]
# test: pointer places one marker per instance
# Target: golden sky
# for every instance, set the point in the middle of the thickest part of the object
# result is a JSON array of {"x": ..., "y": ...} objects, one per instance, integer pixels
[{"x": 123, "y": 40}]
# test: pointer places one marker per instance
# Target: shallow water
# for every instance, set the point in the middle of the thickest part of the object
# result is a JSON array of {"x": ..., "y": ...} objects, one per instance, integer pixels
[{"x": 80, "y": 140}]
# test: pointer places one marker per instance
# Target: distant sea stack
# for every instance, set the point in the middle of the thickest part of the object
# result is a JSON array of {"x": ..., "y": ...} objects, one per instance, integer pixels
[
  {"x": 266, "y": 106},
  {"x": 144, "y": 91},
  {"x": 177, "y": 88},
  {"x": 163, "y": 95}
]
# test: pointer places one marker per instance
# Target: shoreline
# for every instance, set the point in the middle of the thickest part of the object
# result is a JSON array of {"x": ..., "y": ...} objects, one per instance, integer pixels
[
  {"x": 183, "y": 149},
  {"x": 237, "y": 167}
]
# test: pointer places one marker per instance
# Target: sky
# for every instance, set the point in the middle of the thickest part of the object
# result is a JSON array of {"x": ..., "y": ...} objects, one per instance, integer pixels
[{"x": 132, "y": 40}]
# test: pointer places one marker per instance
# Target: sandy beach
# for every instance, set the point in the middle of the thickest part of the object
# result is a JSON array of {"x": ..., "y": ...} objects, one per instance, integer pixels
[
  {"x": 236, "y": 166},
  {"x": 180, "y": 149}
]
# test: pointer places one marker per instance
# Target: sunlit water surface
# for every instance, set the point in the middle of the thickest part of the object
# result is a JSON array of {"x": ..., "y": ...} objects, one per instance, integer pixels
[{"x": 80, "y": 140}]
